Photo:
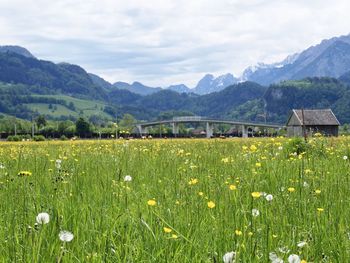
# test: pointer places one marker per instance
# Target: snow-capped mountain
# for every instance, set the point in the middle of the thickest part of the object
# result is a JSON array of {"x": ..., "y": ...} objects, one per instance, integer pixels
[
  {"x": 209, "y": 83},
  {"x": 330, "y": 58},
  {"x": 247, "y": 74}
]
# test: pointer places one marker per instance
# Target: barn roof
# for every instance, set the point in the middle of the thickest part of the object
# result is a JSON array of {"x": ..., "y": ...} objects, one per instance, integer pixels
[{"x": 315, "y": 117}]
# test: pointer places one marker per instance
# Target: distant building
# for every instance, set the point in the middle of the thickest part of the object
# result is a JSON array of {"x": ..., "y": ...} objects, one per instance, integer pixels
[{"x": 315, "y": 121}]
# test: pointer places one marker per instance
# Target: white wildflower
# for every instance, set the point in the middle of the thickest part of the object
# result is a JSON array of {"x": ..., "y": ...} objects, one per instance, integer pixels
[
  {"x": 255, "y": 212},
  {"x": 58, "y": 163},
  {"x": 280, "y": 148},
  {"x": 229, "y": 257},
  {"x": 43, "y": 218},
  {"x": 2, "y": 166},
  {"x": 305, "y": 184},
  {"x": 294, "y": 259},
  {"x": 301, "y": 244},
  {"x": 66, "y": 236},
  {"x": 269, "y": 197},
  {"x": 127, "y": 178},
  {"x": 345, "y": 157}
]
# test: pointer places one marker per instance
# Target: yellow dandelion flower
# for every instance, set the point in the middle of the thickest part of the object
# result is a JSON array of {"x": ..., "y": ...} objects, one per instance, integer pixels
[
  {"x": 200, "y": 193},
  {"x": 174, "y": 236},
  {"x": 167, "y": 230},
  {"x": 318, "y": 191},
  {"x": 258, "y": 164},
  {"x": 253, "y": 148},
  {"x": 238, "y": 232},
  {"x": 225, "y": 160},
  {"x": 232, "y": 187},
  {"x": 256, "y": 194},
  {"x": 193, "y": 181},
  {"x": 211, "y": 204},
  {"x": 151, "y": 202},
  {"x": 303, "y": 261},
  {"x": 291, "y": 189},
  {"x": 320, "y": 209}
]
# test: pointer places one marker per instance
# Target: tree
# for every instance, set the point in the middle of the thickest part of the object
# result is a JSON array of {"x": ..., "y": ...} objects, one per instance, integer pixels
[
  {"x": 127, "y": 123},
  {"x": 82, "y": 127},
  {"x": 40, "y": 121}
]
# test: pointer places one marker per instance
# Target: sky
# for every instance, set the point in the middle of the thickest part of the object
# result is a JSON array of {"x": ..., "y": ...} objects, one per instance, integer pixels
[{"x": 165, "y": 42}]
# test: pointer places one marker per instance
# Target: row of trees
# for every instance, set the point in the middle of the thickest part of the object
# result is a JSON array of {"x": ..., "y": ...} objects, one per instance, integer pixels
[{"x": 54, "y": 129}]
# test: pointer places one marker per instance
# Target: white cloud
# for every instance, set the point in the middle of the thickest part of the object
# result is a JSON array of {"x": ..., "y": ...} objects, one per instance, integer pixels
[{"x": 161, "y": 42}]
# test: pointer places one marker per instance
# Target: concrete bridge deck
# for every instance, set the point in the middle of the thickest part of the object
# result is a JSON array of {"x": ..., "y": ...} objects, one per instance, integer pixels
[{"x": 142, "y": 127}]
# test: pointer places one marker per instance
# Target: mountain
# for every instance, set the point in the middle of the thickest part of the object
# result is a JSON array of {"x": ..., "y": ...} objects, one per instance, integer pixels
[
  {"x": 309, "y": 93},
  {"x": 181, "y": 88},
  {"x": 209, "y": 83},
  {"x": 263, "y": 69},
  {"x": 17, "y": 50},
  {"x": 136, "y": 87},
  {"x": 29, "y": 86},
  {"x": 98, "y": 81},
  {"x": 65, "y": 78},
  {"x": 345, "y": 78},
  {"x": 330, "y": 58}
]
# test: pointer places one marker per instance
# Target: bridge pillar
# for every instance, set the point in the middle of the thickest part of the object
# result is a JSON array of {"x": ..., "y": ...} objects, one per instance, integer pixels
[
  {"x": 142, "y": 130},
  {"x": 175, "y": 128},
  {"x": 209, "y": 130},
  {"x": 244, "y": 131}
]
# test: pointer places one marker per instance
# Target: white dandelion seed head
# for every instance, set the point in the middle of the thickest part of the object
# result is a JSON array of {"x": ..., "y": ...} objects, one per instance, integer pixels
[
  {"x": 229, "y": 257},
  {"x": 269, "y": 197},
  {"x": 66, "y": 236},
  {"x": 127, "y": 178},
  {"x": 2, "y": 166},
  {"x": 305, "y": 184},
  {"x": 43, "y": 218},
  {"x": 58, "y": 163},
  {"x": 255, "y": 212},
  {"x": 301, "y": 244},
  {"x": 345, "y": 157},
  {"x": 294, "y": 259}
]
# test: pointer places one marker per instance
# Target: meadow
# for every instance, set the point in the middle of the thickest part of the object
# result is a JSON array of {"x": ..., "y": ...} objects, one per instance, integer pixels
[{"x": 266, "y": 200}]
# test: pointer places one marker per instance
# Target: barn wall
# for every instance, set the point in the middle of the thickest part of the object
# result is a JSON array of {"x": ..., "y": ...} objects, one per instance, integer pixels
[
  {"x": 294, "y": 131},
  {"x": 293, "y": 121}
]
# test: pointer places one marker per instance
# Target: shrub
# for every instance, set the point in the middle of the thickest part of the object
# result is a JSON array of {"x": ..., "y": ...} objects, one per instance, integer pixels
[{"x": 39, "y": 138}]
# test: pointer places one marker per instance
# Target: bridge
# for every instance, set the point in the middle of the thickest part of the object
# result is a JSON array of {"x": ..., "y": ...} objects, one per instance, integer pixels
[{"x": 209, "y": 123}]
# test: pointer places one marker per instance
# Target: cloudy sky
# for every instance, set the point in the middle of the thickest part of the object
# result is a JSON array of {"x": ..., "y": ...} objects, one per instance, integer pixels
[{"x": 163, "y": 42}]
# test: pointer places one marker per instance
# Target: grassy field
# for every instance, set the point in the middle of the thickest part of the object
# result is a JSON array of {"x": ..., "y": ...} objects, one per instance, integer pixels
[
  {"x": 175, "y": 200},
  {"x": 86, "y": 107}
]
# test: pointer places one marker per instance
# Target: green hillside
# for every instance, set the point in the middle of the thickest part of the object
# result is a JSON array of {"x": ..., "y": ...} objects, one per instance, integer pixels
[{"x": 85, "y": 108}]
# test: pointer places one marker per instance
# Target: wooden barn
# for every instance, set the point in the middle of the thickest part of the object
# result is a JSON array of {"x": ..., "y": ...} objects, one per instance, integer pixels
[{"x": 315, "y": 121}]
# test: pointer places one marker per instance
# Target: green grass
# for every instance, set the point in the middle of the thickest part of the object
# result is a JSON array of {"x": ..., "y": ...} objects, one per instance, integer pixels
[
  {"x": 86, "y": 107},
  {"x": 79, "y": 103},
  {"x": 60, "y": 110},
  {"x": 112, "y": 221}
]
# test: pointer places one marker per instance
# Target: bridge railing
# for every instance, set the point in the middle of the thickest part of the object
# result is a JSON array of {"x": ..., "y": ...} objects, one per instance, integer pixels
[{"x": 188, "y": 118}]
